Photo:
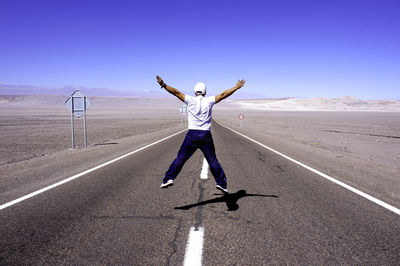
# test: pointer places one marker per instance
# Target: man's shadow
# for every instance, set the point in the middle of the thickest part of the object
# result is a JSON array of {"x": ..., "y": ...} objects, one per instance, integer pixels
[{"x": 230, "y": 199}]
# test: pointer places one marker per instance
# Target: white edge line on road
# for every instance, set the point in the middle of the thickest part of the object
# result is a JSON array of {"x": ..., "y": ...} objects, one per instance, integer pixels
[
  {"x": 6, "y": 205},
  {"x": 194, "y": 247},
  {"x": 358, "y": 192},
  {"x": 204, "y": 170}
]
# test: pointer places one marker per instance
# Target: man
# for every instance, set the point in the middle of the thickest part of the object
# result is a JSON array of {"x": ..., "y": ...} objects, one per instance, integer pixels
[{"x": 198, "y": 136}]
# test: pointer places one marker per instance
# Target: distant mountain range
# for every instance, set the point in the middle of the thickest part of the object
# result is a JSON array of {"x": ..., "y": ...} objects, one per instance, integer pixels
[
  {"x": 6, "y": 89},
  {"x": 345, "y": 103},
  {"x": 68, "y": 90},
  {"x": 253, "y": 101}
]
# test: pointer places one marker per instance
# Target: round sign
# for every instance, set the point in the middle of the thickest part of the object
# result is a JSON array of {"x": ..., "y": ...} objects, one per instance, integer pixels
[{"x": 241, "y": 116}]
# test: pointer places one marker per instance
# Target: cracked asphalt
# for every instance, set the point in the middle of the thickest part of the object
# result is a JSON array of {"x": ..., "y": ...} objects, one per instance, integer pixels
[{"x": 277, "y": 213}]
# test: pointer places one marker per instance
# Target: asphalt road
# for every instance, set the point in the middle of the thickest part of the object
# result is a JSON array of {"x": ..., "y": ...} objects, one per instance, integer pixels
[{"x": 277, "y": 213}]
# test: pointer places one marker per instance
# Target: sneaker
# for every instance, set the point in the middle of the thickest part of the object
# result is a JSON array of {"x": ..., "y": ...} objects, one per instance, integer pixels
[
  {"x": 223, "y": 189},
  {"x": 170, "y": 182}
]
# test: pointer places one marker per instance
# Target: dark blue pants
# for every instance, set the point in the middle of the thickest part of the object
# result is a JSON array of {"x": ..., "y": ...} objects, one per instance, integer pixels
[{"x": 197, "y": 139}]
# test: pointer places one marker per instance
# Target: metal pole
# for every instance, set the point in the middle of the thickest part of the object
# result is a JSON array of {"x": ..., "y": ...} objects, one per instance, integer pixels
[
  {"x": 240, "y": 123},
  {"x": 84, "y": 121},
  {"x": 72, "y": 121},
  {"x": 181, "y": 119},
  {"x": 186, "y": 116}
]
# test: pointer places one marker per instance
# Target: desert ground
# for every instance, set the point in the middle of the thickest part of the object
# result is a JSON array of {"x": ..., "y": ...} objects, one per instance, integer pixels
[
  {"x": 360, "y": 148},
  {"x": 119, "y": 214},
  {"x": 33, "y": 126},
  {"x": 35, "y": 142}
]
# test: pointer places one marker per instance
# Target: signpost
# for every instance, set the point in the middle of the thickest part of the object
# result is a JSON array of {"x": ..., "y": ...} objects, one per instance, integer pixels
[
  {"x": 183, "y": 111},
  {"x": 77, "y": 103},
  {"x": 241, "y": 117}
]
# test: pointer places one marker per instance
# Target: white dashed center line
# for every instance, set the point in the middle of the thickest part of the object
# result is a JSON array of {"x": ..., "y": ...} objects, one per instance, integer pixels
[
  {"x": 194, "y": 247},
  {"x": 204, "y": 170}
]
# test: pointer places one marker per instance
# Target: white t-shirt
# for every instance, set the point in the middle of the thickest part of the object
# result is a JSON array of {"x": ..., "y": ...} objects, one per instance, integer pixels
[{"x": 199, "y": 110}]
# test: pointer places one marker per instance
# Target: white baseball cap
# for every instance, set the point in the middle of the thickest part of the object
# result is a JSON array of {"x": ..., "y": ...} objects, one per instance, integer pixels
[{"x": 200, "y": 88}]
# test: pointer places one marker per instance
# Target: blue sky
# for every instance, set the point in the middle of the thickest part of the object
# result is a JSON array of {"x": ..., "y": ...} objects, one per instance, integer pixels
[{"x": 282, "y": 48}]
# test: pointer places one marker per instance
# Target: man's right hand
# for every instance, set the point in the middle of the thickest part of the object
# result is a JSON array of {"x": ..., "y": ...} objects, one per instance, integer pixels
[{"x": 170, "y": 89}]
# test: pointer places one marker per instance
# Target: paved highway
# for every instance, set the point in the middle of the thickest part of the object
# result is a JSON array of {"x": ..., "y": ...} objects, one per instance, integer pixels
[{"x": 277, "y": 213}]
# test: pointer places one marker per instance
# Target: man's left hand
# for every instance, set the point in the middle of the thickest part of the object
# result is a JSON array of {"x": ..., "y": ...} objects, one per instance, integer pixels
[
  {"x": 240, "y": 83},
  {"x": 161, "y": 82}
]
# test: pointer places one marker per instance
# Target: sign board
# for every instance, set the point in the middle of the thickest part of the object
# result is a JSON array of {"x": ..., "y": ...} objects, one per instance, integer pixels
[
  {"x": 183, "y": 109},
  {"x": 77, "y": 103},
  {"x": 241, "y": 117}
]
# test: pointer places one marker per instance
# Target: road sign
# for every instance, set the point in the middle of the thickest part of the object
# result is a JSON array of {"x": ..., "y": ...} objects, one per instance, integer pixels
[
  {"x": 241, "y": 117},
  {"x": 77, "y": 103},
  {"x": 183, "y": 111}
]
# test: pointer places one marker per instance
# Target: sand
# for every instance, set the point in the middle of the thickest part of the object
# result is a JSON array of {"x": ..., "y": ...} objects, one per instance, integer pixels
[
  {"x": 34, "y": 126},
  {"x": 345, "y": 103},
  {"x": 359, "y": 148},
  {"x": 35, "y": 137}
]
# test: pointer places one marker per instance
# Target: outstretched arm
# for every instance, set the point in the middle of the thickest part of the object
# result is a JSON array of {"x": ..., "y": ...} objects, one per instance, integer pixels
[
  {"x": 170, "y": 89},
  {"x": 229, "y": 92}
]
